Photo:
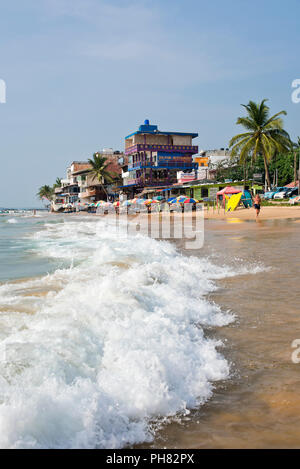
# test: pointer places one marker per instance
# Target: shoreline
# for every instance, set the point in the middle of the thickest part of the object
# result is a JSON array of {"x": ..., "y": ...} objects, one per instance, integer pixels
[{"x": 267, "y": 213}]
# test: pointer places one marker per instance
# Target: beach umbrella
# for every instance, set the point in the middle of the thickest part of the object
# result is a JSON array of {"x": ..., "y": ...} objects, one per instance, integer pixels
[
  {"x": 178, "y": 200},
  {"x": 150, "y": 201},
  {"x": 117, "y": 203},
  {"x": 181, "y": 198},
  {"x": 126, "y": 203},
  {"x": 171, "y": 199},
  {"x": 190, "y": 201},
  {"x": 159, "y": 197},
  {"x": 140, "y": 201}
]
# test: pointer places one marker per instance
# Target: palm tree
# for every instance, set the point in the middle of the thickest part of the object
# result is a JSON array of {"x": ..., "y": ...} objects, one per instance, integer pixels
[
  {"x": 296, "y": 147},
  {"x": 99, "y": 170},
  {"x": 45, "y": 192},
  {"x": 265, "y": 135},
  {"x": 57, "y": 183}
]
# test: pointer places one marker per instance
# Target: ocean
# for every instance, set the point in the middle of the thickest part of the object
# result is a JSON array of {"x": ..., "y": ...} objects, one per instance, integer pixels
[
  {"x": 108, "y": 340},
  {"x": 102, "y": 335}
]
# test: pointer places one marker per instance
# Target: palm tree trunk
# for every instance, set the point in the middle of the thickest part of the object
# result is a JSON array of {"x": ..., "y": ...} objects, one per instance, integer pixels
[
  {"x": 295, "y": 167},
  {"x": 105, "y": 192},
  {"x": 267, "y": 172}
]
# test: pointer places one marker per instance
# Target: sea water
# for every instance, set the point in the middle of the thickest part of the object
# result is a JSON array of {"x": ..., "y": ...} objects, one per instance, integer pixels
[{"x": 102, "y": 335}]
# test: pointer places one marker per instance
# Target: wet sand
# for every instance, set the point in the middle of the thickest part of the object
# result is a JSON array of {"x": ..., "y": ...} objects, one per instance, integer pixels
[{"x": 259, "y": 406}]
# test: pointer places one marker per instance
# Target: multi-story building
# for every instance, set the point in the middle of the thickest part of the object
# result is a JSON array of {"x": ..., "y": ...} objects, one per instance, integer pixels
[
  {"x": 80, "y": 185},
  {"x": 202, "y": 160},
  {"x": 155, "y": 157},
  {"x": 70, "y": 184},
  {"x": 90, "y": 188}
]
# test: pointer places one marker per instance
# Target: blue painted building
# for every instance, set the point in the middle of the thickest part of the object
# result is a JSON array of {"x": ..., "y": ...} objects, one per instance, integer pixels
[{"x": 155, "y": 156}]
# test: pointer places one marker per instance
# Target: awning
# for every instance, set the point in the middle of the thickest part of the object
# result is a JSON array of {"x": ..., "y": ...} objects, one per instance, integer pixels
[
  {"x": 292, "y": 184},
  {"x": 229, "y": 190}
]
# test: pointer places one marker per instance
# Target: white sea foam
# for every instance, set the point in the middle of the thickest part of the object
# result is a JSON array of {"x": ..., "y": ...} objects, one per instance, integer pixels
[
  {"x": 116, "y": 343},
  {"x": 12, "y": 220}
]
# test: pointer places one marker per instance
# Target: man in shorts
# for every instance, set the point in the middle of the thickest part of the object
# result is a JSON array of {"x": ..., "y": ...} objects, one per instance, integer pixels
[{"x": 257, "y": 202}]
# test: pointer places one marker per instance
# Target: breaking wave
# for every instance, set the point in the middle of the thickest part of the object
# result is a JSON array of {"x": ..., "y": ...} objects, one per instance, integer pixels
[{"x": 116, "y": 342}]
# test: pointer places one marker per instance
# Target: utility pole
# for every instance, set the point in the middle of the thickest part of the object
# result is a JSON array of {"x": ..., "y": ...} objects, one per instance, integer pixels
[{"x": 295, "y": 167}]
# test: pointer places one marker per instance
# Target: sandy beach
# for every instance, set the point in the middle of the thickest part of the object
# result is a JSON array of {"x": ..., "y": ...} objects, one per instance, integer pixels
[{"x": 267, "y": 213}]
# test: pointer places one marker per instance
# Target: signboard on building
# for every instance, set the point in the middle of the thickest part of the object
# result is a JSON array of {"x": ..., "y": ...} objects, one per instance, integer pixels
[
  {"x": 185, "y": 177},
  {"x": 257, "y": 176},
  {"x": 202, "y": 173},
  {"x": 213, "y": 192}
]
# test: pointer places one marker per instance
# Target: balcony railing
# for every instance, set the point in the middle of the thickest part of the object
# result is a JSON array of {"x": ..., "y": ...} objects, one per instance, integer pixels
[
  {"x": 164, "y": 148},
  {"x": 162, "y": 165},
  {"x": 142, "y": 182}
]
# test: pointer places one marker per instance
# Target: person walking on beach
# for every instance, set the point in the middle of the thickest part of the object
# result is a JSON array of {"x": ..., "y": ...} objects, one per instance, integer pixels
[{"x": 257, "y": 202}]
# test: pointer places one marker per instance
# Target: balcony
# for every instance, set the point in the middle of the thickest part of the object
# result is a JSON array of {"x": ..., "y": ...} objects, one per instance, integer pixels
[
  {"x": 88, "y": 193},
  {"x": 142, "y": 182},
  {"x": 192, "y": 149},
  {"x": 163, "y": 165}
]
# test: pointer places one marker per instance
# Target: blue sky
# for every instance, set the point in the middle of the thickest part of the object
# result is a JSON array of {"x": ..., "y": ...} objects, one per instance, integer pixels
[{"x": 82, "y": 74}]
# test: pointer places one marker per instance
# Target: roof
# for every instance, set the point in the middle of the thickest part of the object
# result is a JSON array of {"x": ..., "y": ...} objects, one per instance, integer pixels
[
  {"x": 146, "y": 128},
  {"x": 229, "y": 190},
  {"x": 81, "y": 171},
  {"x": 155, "y": 188},
  {"x": 159, "y": 132},
  {"x": 292, "y": 184}
]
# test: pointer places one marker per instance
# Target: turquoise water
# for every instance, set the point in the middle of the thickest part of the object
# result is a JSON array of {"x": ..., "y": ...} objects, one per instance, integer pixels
[{"x": 18, "y": 256}]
